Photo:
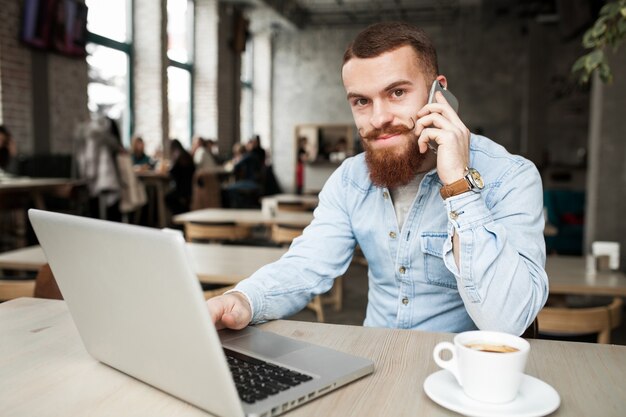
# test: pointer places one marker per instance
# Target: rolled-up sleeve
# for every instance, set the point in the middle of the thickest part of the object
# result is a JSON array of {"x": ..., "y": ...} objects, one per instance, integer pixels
[{"x": 501, "y": 275}]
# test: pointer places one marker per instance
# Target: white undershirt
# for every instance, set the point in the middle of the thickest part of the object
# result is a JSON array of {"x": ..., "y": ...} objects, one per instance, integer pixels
[{"x": 403, "y": 197}]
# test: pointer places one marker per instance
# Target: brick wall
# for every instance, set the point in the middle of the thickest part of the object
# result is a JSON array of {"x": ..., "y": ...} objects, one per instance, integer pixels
[
  {"x": 67, "y": 100},
  {"x": 15, "y": 77},
  {"x": 205, "y": 64},
  {"x": 41, "y": 119},
  {"x": 150, "y": 73}
]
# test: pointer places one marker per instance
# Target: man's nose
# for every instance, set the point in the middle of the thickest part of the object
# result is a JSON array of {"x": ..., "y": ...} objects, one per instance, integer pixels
[{"x": 381, "y": 115}]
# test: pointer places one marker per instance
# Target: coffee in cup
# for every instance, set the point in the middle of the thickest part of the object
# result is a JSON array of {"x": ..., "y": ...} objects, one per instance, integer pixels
[
  {"x": 490, "y": 347},
  {"x": 489, "y": 366}
]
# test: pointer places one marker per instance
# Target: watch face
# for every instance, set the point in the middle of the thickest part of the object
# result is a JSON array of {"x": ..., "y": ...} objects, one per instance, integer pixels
[{"x": 476, "y": 179}]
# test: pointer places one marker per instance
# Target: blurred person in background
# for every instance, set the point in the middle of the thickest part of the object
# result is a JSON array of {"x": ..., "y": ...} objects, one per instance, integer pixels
[
  {"x": 8, "y": 150},
  {"x": 141, "y": 161},
  {"x": 181, "y": 172}
]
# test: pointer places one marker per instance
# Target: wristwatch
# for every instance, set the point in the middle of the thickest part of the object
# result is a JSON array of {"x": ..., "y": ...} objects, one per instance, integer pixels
[{"x": 471, "y": 181}]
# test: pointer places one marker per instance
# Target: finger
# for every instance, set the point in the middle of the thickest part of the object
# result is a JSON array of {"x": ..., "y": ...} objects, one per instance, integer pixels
[
  {"x": 234, "y": 320},
  {"x": 436, "y": 120},
  {"x": 216, "y": 311},
  {"x": 441, "y": 106},
  {"x": 440, "y": 136}
]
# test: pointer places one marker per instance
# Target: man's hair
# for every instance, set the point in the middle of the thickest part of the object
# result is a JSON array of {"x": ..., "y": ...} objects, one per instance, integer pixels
[{"x": 387, "y": 36}]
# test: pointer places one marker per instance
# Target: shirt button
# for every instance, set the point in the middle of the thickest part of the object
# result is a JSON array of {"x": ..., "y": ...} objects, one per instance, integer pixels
[
  {"x": 385, "y": 195},
  {"x": 454, "y": 215},
  {"x": 405, "y": 301},
  {"x": 392, "y": 235},
  {"x": 402, "y": 270}
]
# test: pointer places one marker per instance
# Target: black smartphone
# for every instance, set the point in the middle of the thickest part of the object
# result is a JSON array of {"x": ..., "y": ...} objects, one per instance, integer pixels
[{"x": 452, "y": 101}]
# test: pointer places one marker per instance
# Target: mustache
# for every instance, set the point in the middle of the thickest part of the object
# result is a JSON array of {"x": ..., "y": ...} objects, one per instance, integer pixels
[{"x": 387, "y": 130}]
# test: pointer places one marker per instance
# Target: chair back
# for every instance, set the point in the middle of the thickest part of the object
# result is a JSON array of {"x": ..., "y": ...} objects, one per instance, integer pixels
[
  {"x": 207, "y": 190},
  {"x": 293, "y": 206},
  {"x": 285, "y": 234},
  {"x": 197, "y": 232},
  {"x": 45, "y": 284},
  {"x": 574, "y": 321},
  {"x": 16, "y": 288}
]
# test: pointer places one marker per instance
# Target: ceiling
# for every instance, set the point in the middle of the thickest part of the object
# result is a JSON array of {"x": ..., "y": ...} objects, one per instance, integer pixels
[{"x": 305, "y": 13}]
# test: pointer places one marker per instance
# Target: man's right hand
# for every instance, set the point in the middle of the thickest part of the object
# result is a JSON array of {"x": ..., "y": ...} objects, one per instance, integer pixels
[{"x": 231, "y": 311}]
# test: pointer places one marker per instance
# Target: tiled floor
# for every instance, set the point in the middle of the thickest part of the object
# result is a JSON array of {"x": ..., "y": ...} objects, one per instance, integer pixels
[{"x": 355, "y": 301}]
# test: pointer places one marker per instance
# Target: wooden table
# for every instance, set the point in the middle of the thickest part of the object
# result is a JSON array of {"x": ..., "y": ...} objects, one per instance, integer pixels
[
  {"x": 229, "y": 264},
  {"x": 30, "y": 258},
  {"x": 45, "y": 371},
  {"x": 35, "y": 187},
  {"x": 306, "y": 201},
  {"x": 245, "y": 217},
  {"x": 569, "y": 275},
  {"x": 214, "y": 264}
]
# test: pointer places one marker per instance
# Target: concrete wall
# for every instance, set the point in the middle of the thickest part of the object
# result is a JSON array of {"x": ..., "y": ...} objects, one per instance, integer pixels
[{"x": 606, "y": 182}]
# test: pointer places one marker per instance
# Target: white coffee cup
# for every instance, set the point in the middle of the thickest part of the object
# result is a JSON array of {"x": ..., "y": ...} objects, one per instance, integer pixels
[{"x": 486, "y": 376}]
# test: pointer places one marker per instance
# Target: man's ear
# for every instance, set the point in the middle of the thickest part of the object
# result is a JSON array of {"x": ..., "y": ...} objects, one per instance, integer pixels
[{"x": 442, "y": 80}]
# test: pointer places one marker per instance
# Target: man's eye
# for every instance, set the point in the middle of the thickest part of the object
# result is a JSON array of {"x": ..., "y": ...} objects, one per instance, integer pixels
[
  {"x": 398, "y": 93},
  {"x": 360, "y": 102}
]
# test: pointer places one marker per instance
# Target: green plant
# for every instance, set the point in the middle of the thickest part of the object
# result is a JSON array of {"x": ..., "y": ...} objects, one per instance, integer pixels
[{"x": 609, "y": 30}]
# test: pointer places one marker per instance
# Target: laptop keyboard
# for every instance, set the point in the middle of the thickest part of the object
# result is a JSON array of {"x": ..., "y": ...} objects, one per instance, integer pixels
[{"x": 256, "y": 379}]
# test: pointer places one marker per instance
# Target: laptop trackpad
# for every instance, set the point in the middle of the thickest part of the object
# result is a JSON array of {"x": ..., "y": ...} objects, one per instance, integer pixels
[{"x": 264, "y": 343}]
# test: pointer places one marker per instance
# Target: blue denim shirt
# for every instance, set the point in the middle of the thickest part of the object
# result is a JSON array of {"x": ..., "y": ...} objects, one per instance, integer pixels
[{"x": 414, "y": 282}]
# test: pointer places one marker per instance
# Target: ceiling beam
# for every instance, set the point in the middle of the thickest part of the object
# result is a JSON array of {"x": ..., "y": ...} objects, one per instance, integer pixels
[{"x": 290, "y": 10}]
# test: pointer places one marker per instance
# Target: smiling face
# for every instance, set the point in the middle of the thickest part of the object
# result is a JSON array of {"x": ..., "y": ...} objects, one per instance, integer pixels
[{"x": 385, "y": 93}]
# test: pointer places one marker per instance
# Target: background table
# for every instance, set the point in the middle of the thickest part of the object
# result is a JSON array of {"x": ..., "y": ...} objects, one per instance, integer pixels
[
  {"x": 214, "y": 264},
  {"x": 229, "y": 264},
  {"x": 245, "y": 217},
  {"x": 568, "y": 275},
  {"x": 30, "y": 258},
  {"x": 46, "y": 371}
]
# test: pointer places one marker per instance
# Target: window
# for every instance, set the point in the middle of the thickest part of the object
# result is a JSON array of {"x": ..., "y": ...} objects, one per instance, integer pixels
[
  {"x": 110, "y": 63},
  {"x": 180, "y": 29},
  {"x": 178, "y": 101}
]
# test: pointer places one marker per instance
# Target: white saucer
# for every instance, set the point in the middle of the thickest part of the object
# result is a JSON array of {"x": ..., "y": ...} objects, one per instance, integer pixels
[{"x": 535, "y": 399}]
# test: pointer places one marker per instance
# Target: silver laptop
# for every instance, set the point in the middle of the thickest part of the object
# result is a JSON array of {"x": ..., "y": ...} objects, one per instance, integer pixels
[{"x": 139, "y": 308}]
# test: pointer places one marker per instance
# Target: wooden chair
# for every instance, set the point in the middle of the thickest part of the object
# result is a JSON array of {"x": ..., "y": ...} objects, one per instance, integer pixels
[
  {"x": 207, "y": 190},
  {"x": 215, "y": 232},
  {"x": 293, "y": 206},
  {"x": 16, "y": 288},
  {"x": 575, "y": 321},
  {"x": 284, "y": 235},
  {"x": 45, "y": 284}
]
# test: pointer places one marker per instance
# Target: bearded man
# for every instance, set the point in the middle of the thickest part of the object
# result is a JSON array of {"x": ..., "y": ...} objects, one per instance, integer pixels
[{"x": 450, "y": 223}]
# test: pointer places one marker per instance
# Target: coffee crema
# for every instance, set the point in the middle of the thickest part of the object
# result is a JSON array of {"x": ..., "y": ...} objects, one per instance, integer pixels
[{"x": 490, "y": 347}]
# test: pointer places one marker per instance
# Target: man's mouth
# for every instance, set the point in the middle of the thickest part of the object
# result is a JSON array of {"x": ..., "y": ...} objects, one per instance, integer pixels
[{"x": 387, "y": 136}]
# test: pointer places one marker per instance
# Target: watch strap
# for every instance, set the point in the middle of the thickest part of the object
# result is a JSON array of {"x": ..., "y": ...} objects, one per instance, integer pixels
[{"x": 457, "y": 187}]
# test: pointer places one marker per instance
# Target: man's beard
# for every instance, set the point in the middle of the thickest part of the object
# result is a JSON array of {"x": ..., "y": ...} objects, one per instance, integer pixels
[{"x": 395, "y": 165}]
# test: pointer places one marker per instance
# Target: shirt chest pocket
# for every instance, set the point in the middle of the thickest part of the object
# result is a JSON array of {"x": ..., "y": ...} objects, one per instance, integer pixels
[{"x": 434, "y": 268}]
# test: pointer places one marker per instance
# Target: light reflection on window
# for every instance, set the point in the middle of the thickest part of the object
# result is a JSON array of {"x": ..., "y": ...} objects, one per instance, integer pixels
[
  {"x": 179, "y": 96},
  {"x": 108, "y": 18},
  {"x": 179, "y": 30},
  {"x": 107, "y": 90}
]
